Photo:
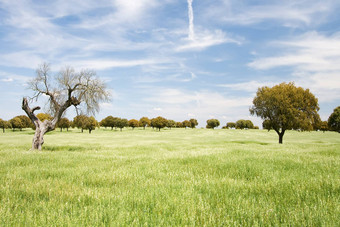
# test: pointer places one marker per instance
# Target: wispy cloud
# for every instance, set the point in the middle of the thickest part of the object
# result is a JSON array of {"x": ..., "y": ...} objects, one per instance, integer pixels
[
  {"x": 288, "y": 13},
  {"x": 314, "y": 59},
  {"x": 191, "y": 35}
]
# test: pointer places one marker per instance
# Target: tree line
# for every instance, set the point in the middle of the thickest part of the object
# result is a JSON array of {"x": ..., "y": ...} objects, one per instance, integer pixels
[
  {"x": 282, "y": 107},
  {"x": 89, "y": 123}
]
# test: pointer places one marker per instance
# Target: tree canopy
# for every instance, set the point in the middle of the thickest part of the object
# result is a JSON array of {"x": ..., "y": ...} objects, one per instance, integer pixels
[
  {"x": 286, "y": 107},
  {"x": 144, "y": 121},
  {"x": 212, "y": 123},
  {"x": 159, "y": 122},
  {"x": 193, "y": 123},
  {"x": 334, "y": 120},
  {"x": 133, "y": 123}
]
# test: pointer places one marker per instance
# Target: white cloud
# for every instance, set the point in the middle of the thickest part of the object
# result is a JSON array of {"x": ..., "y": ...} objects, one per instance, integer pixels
[
  {"x": 191, "y": 35},
  {"x": 289, "y": 13},
  {"x": 205, "y": 39},
  {"x": 250, "y": 86},
  {"x": 314, "y": 59}
]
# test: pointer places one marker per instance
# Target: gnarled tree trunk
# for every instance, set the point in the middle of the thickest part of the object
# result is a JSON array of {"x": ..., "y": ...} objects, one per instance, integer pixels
[{"x": 40, "y": 127}]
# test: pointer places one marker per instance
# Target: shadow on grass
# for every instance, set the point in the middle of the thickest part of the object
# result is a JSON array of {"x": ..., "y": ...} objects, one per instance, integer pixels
[
  {"x": 63, "y": 148},
  {"x": 248, "y": 142}
]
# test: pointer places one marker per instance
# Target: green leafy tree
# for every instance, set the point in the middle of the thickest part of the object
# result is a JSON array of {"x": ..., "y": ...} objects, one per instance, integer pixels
[
  {"x": 186, "y": 124},
  {"x": 193, "y": 123},
  {"x": 249, "y": 124},
  {"x": 64, "y": 123},
  {"x": 231, "y": 125},
  {"x": 286, "y": 107},
  {"x": 90, "y": 123},
  {"x": 121, "y": 123},
  {"x": 324, "y": 126},
  {"x": 4, "y": 124},
  {"x": 44, "y": 116},
  {"x": 266, "y": 124},
  {"x": 179, "y": 125},
  {"x": 212, "y": 123},
  {"x": 133, "y": 123},
  {"x": 159, "y": 122},
  {"x": 334, "y": 120},
  {"x": 144, "y": 121},
  {"x": 16, "y": 123},
  {"x": 109, "y": 121},
  {"x": 26, "y": 122},
  {"x": 241, "y": 124},
  {"x": 171, "y": 124},
  {"x": 80, "y": 122}
]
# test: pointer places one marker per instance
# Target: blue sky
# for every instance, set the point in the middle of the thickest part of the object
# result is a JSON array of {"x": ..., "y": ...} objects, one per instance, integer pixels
[{"x": 174, "y": 58}]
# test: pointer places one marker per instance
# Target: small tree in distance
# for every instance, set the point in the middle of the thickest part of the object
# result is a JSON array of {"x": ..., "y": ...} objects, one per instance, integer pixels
[
  {"x": 4, "y": 125},
  {"x": 171, "y": 124},
  {"x": 212, "y": 123},
  {"x": 159, "y": 122},
  {"x": 64, "y": 123},
  {"x": 286, "y": 107},
  {"x": 144, "y": 121},
  {"x": 121, "y": 123},
  {"x": 231, "y": 125},
  {"x": 193, "y": 123},
  {"x": 334, "y": 120},
  {"x": 133, "y": 123},
  {"x": 186, "y": 124}
]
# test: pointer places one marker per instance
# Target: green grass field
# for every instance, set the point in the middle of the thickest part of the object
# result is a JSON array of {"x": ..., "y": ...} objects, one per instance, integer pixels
[{"x": 174, "y": 177}]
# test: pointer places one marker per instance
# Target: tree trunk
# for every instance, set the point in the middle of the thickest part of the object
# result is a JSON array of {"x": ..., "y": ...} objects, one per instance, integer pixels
[
  {"x": 40, "y": 127},
  {"x": 61, "y": 129},
  {"x": 3, "y": 130},
  {"x": 281, "y": 136}
]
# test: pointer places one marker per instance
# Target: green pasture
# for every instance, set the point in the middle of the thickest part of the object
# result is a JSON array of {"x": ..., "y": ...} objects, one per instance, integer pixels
[{"x": 178, "y": 177}]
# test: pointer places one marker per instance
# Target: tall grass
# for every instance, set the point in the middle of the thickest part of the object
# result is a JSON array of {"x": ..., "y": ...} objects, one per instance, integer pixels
[{"x": 174, "y": 177}]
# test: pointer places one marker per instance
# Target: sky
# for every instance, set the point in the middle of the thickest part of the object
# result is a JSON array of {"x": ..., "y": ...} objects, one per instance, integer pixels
[{"x": 179, "y": 59}]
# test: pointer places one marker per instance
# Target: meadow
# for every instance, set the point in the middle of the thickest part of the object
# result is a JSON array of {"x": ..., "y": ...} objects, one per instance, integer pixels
[{"x": 178, "y": 177}]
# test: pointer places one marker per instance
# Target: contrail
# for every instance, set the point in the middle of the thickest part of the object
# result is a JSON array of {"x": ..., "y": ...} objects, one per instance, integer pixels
[{"x": 191, "y": 34}]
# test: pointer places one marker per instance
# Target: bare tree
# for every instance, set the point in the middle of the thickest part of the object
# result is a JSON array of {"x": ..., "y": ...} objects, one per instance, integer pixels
[{"x": 82, "y": 90}]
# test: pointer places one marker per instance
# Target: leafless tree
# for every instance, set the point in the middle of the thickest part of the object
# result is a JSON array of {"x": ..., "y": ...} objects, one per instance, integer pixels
[{"x": 67, "y": 88}]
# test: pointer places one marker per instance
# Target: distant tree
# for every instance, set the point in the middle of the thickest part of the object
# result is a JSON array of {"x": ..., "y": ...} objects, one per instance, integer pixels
[
  {"x": 324, "y": 126},
  {"x": 144, "y": 121},
  {"x": 171, "y": 124},
  {"x": 64, "y": 123},
  {"x": 286, "y": 107},
  {"x": 67, "y": 88},
  {"x": 159, "y": 122},
  {"x": 334, "y": 120},
  {"x": 179, "y": 125},
  {"x": 231, "y": 125},
  {"x": 186, "y": 124},
  {"x": 193, "y": 123},
  {"x": 109, "y": 121},
  {"x": 80, "y": 122},
  {"x": 249, "y": 124},
  {"x": 44, "y": 116},
  {"x": 4, "y": 124},
  {"x": 212, "y": 123},
  {"x": 16, "y": 123},
  {"x": 90, "y": 123},
  {"x": 26, "y": 122},
  {"x": 241, "y": 124},
  {"x": 121, "y": 123},
  {"x": 224, "y": 127},
  {"x": 256, "y": 127},
  {"x": 133, "y": 123}
]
